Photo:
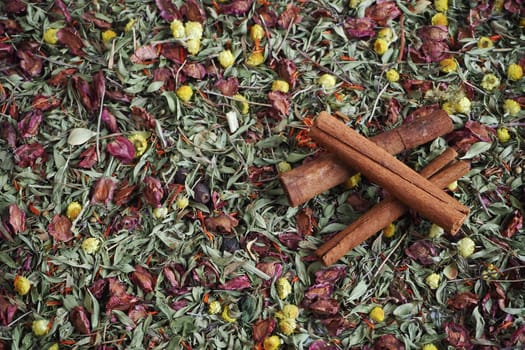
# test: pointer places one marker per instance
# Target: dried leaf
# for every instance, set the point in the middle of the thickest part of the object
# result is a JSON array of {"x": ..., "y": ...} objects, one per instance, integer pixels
[{"x": 79, "y": 136}]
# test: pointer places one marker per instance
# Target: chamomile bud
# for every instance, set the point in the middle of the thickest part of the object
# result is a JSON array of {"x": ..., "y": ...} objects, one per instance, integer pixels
[
  {"x": 463, "y": 105},
  {"x": 280, "y": 85},
  {"x": 432, "y": 280},
  {"x": 140, "y": 142},
  {"x": 352, "y": 181},
  {"x": 256, "y": 32},
  {"x": 514, "y": 72},
  {"x": 272, "y": 342},
  {"x": 185, "y": 92},
  {"x": 255, "y": 59},
  {"x": 91, "y": 245},
  {"x": 177, "y": 29},
  {"x": 429, "y": 347},
  {"x": 226, "y": 58},
  {"x": 284, "y": 288},
  {"x": 435, "y": 231},
  {"x": 287, "y": 326},
  {"x": 503, "y": 134},
  {"x": 392, "y": 75},
  {"x": 214, "y": 307},
  {"x": 73, "y": 210},
  {"x": 377, "y": 314},
  {"x": 108, "y": 35},
  {"x": 40, "y": 327},
  {"x": 380, "y": 46},
  {"x": 511, "y": 107},
  {"x": 327, "y": 81},
  {"x": 50, "y": 36},
  {"x": 466, "y": 247},
  {"x": 182, "y": 202},
  {"x": 160, "y": 213},
  {"x": 22, "y": 285}
]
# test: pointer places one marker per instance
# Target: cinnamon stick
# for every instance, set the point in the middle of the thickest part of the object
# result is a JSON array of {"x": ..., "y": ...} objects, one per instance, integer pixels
[
  {"x": 378, "y": 217},
  {"x": 379, "y": 166},
  {"x": 310, "y": 179}
]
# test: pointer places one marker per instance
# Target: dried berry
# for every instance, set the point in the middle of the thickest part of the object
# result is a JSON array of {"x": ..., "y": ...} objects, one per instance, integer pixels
[
  {"x": 230, "y": 244},
  {"x": 202, "y": 193}
]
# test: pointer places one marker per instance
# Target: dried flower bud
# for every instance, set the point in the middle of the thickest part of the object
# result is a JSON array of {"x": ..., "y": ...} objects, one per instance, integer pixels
[
  {"x": 389, "y": 231},
  {"x": 40, "y": 327},
  {"x": 463, "y": 105},
  {"x": 108, "y": 35},
  {"x": 230, "y": 313},
  {"x": 140, "y": 142},
  {"x": 257, "y": 32},
  {"x": 185, "y": 93},
  {"x": 226, "y": 58},
  {"x": 503, "y": 134},
  {"x": 80, "y": 320},
  {"x": 290, "y": 311},
  {"x": 214, "y": 307},
  {"x": 432, "y": 280},
  {"x": 122, "y": 149},
  {"x": 490, "y": 82},
  {"x": 255, "y": 59},
  {"x": 160, "y": 213},
  {"x": 514, "y": 72},
  {"x": 73, "y": 210},
  {"x": 392, "y": 75},
  {"x": 380, "y": 46},
  {"x": 103, "y": 190},
  {"x": 177, "y": 29},
  {"x": 272, "y": 342},
  {"x": 143, "y": 279},
  {"x": 435, "y": 231},
  {"x": 153, "y": 192},
  {"x": 182, "y": 202},
  {"x": 377, "y": 314},
  {"x": 202, "y": 193},
  {"x": 29, "y": 125},
  {"x": 511, "y": 107},
  {"x": 90, "y": 245},
  {"x": 242, "y": 102},
  {"x": 50, "y": 36},
  {"x": 22, "y": 285},
  {"x": 284, "y": 288},
  {"x": 327, "y": 81},
  {"x": 280, "y": 85},
  {"x": 17, "y": 219},
  {"x": 287, "y": 326},
  {"x": 466, "y": 247},
  {"x": 429, "y": 347}
]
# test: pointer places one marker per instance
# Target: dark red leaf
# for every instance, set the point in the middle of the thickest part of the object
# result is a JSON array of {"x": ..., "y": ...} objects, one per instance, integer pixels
[
  {"x": 144, "y": 54},
  {"x": 193, "y": 11},
  {"x": 152, "y": 191},
  {"x": 359, "y": 27},
  {"x": 237, "y": 7},
  {"x": 17, "y": 219},
  {"x": 262, "y": 329},
  {"x": 194, "y": 70},
  {"x": 30, "y": 123},
  {"x": 60, "y": 228},
  {"x": 71, "y": 39},
  {"x": 168, "y": 10},
  {"x": 80, "y": 320},
  {"x": 27, "y": 155},
  {"x": 103, "y": 190},
  {"x": 236, "y": 283},
  {"x": 122, "y": 149},
  {"x": 383, "y": 11},
  {"x": 289, "y": 16},
  {"x": 143, "y": 278},
  {"x": 91, "y": 17},
  {"x": 228, "y": 87},
  {"x": 88, "y": 158},
  {"x": 221, "y": 224},
  {"x": 99, "y": 288}
]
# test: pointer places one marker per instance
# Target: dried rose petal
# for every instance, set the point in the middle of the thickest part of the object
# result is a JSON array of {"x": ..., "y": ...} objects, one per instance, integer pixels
[
  {"x": 479, "y": 130},
  {"x": 432, "y": 33},
  {"x": 70, "y": 38},
  {"x": 515, "y": 7},
  {"x": 123, "y": 193},
  {"x": 109, "y": 120},
  {"x": 518, "y": 336},
  {"x": 103, "y": 190},
  {"x": 337, "y": 324},
  {"x": 272, "y": 268},
  {"x": 388, "y": 342},
  {"x": 179, "y": 304},
  {"x": 236, "y": 283},
  {"x": 15, "y": 7},
  {"x": 98, "y": 88},
  {"x": 228, "y": 87},
  {"x": 319, "y": 291},
  {"x": 145, "y": 53},
  {"x": 153, "y": 192},
  {"x": 457, "y": 336},
  {"x": 435, "y": 51},
  {"x": 513, "y": 225},
  {"x": 60, "y": 228},
  {"x": 324, "y": 307},
  {"x": 331, "y": 274},
  {"x": 290, "y": 240},
  {"x": 29, "y": 63},
  {"x": 463, "y": 300},
  {"x": 137, "y": 313},
  {"x": 17, "y": 219},
  {"x": 62, "y": 77},
  {"x": 29, "y": 125},
  {"x": 142, "y": 118},
  {"x": 321, "y": 345},
  {"x": 122, "y": 149},
  {"x": 287, "y": 70},
  {"x": 359, "y": 27},
  {"x": 269, "y": 17},
  {"x": 99, "y": 288},
  {"x": 61, "y": 8},
  {"x": 80, "y": 320},
  {"x": 193, "y": 11},
  {"x": 7, "y": 311},
  {"x": 280, "y": 102},
  {"x": 221, "y": 224},
  {"x": 289, "y": 16},
  {"x": 383, "y": 11},
  {"x": 305, "y": 222},
  {"x": 194, "y": 70},
  {"x": 85, "y": 92},
  {"x": 168, "y": 10},
  {"x": 8, "y": 133},
  {"x": 174, "y": 52},
  {"x": 91, "y": 17},
  {"x": 262, "y": 329},
  {"x": 422, "y": 251},
  {"x": 143, "y": 278},
  {"x": 165, "y": 75},
  {"x": 45, "y": 103},
  {"x": 88, "y": 158},
  {"x": 27, "y": 155},
  {"x": 237, "y": 7}
]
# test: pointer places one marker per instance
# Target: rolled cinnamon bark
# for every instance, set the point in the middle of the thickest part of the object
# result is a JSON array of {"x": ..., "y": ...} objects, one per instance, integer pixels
[
  {"x": 378, "y": 217},
  {"x": 379, "y": 166},
  {"x": 310, "y": 179}
]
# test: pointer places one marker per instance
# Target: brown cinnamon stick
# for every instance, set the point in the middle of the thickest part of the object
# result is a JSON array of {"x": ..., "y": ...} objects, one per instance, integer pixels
[
  {"x": 379, "y": 166},
  {"x": 378, "y": 217},
  {"x": 315, "y": 177}
]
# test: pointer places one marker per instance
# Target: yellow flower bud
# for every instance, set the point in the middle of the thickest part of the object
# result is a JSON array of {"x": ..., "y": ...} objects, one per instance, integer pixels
[
  {"x": 177, "y": 29},
  {"x": 160, "y": 213},
  {"x": 272, "y": 343},
  {"x": 453, "y": 186},
  {"x": 193, "y": 30},
  {"x": 435, "y": 231},
  {"x": 463, "y": 105},
  {"x": 490, "y": 82},
  {"x": 283, "y": 167},
  {"x": 439, "y": 19},
  {"x": 108, "y": 35},
  {"x": 185, "y": 93},
  {"x": 280, "y": 85},
  {"x": 140, "y": 142},
  {"x": 441, "y": 5},
  {"x": 130, "y": 25},
  {"x": 432, "y": 280},
  {"x": 193, "y": 46},
  {"x": 448, "y": 65},
  {"x": 243, "y": 102},
  {"x": 490, "y": 272},
  {"x": 380, "y": 46},
  {"x": 503, "y": 135},
  {"x": 182, "y": 202},
  {"x": 287, "y": 326},
  {"x": 485, "y": 42},
  {"x": 514, "y": 72},
  {"x": 22, "y": 285},
  {"x": 256, "y": 32},
  {"x": 389, "y": 231},
  {"x": 90, "y": 245},
  {"x": 386, "y": 34},
  {"x": 466, "y": 247},
  {"x": 50, "y": 36},
  {"x": 522, "y": 22},
  {"x": 392, "y": 75},
  {"x": 377, "y": 314},
  {"x": 327, "y": 81},
  {"x": 429, "y": 347},
  {"x": 290, "y": 311},
  {"x": 226, "y": 58},
  {"x": 284, "y": 288},
  {"x": 449, "y": 108},
  {"x": 511, "y": 107},
  {"x": 54, "y": 346},
  {"x": 255, "y": 59},
  {"x": 73, "y": 210},
  {"x": 40, "y": 327},
  {"x": 352, "y": 181},
  {"x": 214, "y": 307}
]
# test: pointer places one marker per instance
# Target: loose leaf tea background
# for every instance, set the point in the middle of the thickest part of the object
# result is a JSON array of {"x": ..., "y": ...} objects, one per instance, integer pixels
[{"x": 140, "y": 148}]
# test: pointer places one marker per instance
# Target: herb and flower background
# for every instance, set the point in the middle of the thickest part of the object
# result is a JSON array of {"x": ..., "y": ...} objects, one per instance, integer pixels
[{"x": 141, "y": 144}]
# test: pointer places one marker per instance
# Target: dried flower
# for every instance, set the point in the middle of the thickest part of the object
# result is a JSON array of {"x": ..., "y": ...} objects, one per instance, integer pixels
[
  {"x": 511, "y": 107},
  {"x": 389, "y": 231},
  {"x": 380, "y": 46},
  {"x": 503, "y": 134},
  {"x": 284, "y": 288},
  {"x": 435, "y": 231},
  {"x": 452, "y": 186},
  {"x": 177, "y": 29},
  {"x": 160, "y": 213},
  {"x": 272, "y": 343},
  {"x": 257, "y": 32},
  {"x": 462, "y": 105},
  {"x": 193, "y": 46},
  {"x": 352, "y": 181},
  {"x": 441, "y": 5},
  {"x": 91, "y": 245},
  {"x": 466, "y": 247},
  {"x": 40, "y": 327},
  {"x": 193, "y": 30},
  {"x": 280, "y": 85},
  {"x": 73, "y": 210},
  {"x": 243, "y": 102},
  {"x": 386, "y": 34},
  {"x": 283, "y": 167},
  {"x": 439, "y": 19},
  {"x": 448, "y": 65},
  {"x": 80, "y": 320},
  {"x": 143, "y": 279},
  {"x": 122, "y": 149},
  {"x": 485, "y": 42},
  {"x": 226, "y": 58},
  {"x": 103, "y": 190},
  {"x": 359, "y": 27},
  {"x": 22, "y": 285},
  {"x": 214, "y": 307},
  {"x": 50, "y": 36},
  {"x": 153, "y": 192},
  {"x": 490, "y": 82},
  {"x": 377, "y": 314},
  {"x": 255, "y": 59},
  {"x": 288, "y": 311},
  {"x": 287, "y": 326},
  {"x": 327, "y": 81},
  {"x": 108, "y": 35},
  {"x": 140, "y": 142},
  {"x": 182, "y": 202},
  {"x": 392, "y": 75},
  {"x": 130, "y": 25},
  {"x": 448, "y": 107},
  {"x": 432, "y": 280},
  {"x": 17, "y": 219},
  {"x": 514, "y": 72},
  {"x": 185, "y": 93},
  {"x": 429, "y": 347}
]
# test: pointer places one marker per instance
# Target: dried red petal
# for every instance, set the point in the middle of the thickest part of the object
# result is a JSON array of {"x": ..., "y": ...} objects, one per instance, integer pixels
[
  {"x": 8, "y": 133},
  {"x": 70, "y": 38},
  {"x": 103, "y": 190},
  {"x": 332, "y": 274},
  {"x": 80, "y": 320},
  {"x": 17, "y": 219},
  {"x": 435, "y": 51},
  {"x": 62, "y": 77},
  {"x": 272, "y": 268},
  {"x": 280, "y": 102},
  {"x": 122, "y": 149},
  {"x": 422, "y": 251},
  {"x": 15, "y": 7},
  {"x": 118, "y": 298},
  {"x": 30, "y": 123},
  {"x": 383, "y": 11},
  {"x": 60, "y": 228},
  {"x": 321, "y": 345},
  {"x": 91, "y": 17},
  {"x": 29, "y": 63},
  {"x": 433, "y": 33},
  {"x": 359, "y": 27},
  {"x": 99, "y": 288},
  {"x": 237, "y": 7},
  {"x": 193, "y": 11},
  {"x": 228, "y": 87},
  {"x": 168, "y": 10},
  {"x": 221, "y": 224},
  {"x": 174, "y": 52},
  {"x": 45, "y": 103},
  {"x": 305, "y": 222},
  {"x": 287, "y": 70},
  {"x": 268, "y": 16},
  {"x": 88, "y": 158},
  {"x": 60, "y": 7},
  {"x": 388, "y": 342},
  {"x": 194, "y": 70},
  {"x": 142, "y": 118},
  {"x": 152, "y": 191},
  {"x": 337, "y": 324},
  {"x": 109, "y": 120},
  {"x": 513, "y": 225},
  {"x": 262, "y": 329},
  {"x": 27, "y": 155},
  {"x": 463, "y": 300},
  {"x": 123, "y": 193},
  {"x": 137, "y": 313},
  {"x": 236, "y": 283},
  {"x": 165, "y": 75},
  {"x": 85, "y": 92},
  {"x": 321, "y": 290},
  {"x": 289, "y": 16},
  {"x": 290, "y": 240},
  {"x": 457, "y": 336},
  {"x": 144, "y": 54},
  {"x": 143, "y": 278},
  {"x": 98, "y": 88},
  {"x": 7, "y": 310},
  {"x": 325, "y": 307}
]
